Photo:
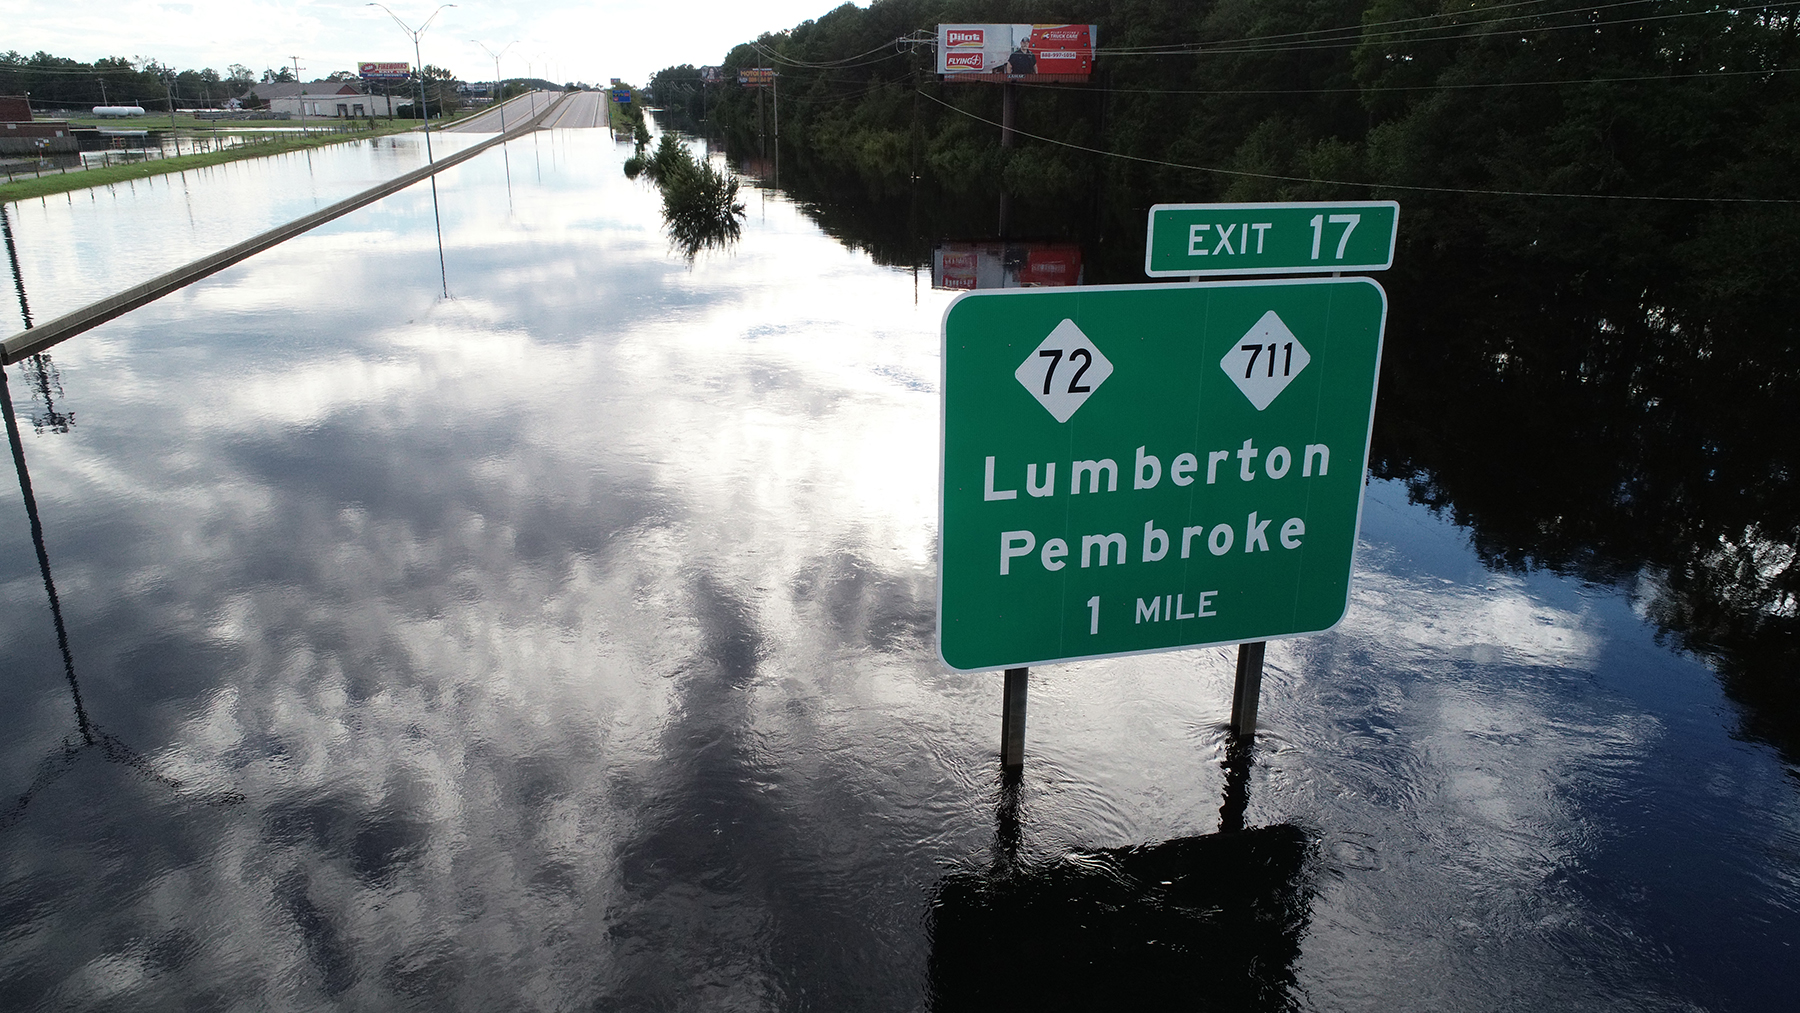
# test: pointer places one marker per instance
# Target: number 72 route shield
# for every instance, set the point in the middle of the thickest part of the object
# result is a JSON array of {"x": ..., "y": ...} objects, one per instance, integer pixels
[{"x": 1139, "y": 468}]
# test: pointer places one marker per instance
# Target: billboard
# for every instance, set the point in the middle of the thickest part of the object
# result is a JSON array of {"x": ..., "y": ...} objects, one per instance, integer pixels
[
  {"x": 1016, "y": 52},
  {"x": 964, "y": 266},
  {"x": 711, "y": 75},
  {"x": 756, "y": 77},
  {"x": 376, "y": 71}
]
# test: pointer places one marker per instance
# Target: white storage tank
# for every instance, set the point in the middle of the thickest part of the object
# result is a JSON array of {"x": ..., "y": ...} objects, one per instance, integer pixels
[{"x": 117, "y": 111}]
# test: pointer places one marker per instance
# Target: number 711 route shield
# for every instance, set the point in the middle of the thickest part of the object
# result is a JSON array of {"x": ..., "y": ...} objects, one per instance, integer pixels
[{"x": 1138, "y": 468}]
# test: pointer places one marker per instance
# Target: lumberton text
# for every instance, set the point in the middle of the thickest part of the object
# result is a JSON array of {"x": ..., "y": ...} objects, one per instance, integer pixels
[{"x": 1113, "y": 548}]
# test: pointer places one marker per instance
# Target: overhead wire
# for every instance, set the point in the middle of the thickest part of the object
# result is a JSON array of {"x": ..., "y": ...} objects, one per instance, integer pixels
[
  {"x": 1359, "y": 28},
  {"x": 1248, "y": 174},
  {"x": 1417, "y": 87},
  {"x": 1348, "y": 37}
]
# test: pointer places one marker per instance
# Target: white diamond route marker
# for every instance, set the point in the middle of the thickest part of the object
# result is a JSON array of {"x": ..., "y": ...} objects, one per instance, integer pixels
[
  {"x": 1265, "y": 360},
  {"x": 1064, "y": 370}
]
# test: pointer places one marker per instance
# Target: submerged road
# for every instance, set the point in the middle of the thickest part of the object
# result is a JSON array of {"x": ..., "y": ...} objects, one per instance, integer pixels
[
  {"x": 579, "y": 109},
  {"x": 584, "y": 109},
  {"x": 517, "y": 110}
]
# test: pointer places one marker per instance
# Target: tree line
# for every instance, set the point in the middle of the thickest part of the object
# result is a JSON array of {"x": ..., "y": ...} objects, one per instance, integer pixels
[
  {"x": 1448, "y": 106},
  {"x": 56, "y": 82}
]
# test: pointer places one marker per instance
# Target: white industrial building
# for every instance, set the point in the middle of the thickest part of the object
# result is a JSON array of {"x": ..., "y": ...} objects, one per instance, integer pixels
[{"x": 329, "y": 99}]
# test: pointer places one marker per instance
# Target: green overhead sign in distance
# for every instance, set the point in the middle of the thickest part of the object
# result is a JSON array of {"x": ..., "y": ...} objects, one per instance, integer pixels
[
  {"x": 1139, "y": 468},
  {"x": 1236, "y": 239}
]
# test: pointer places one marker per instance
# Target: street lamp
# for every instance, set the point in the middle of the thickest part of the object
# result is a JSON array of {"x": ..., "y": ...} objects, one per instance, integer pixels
[
  {"x": 499, "y": 92},
  {"x": 420, "y": 62},
  {"x": 539, "y": 59}
]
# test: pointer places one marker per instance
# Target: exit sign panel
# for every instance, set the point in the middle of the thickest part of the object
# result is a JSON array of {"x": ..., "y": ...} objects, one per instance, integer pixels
[{"x": 1239, "y": 239}]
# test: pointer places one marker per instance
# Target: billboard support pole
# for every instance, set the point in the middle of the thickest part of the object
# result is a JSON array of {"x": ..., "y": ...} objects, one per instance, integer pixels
[
  {"x": 1012, "y": 721},
  {"x": 1247, "y": 690},
  {"x": 1009, "y": 104}
]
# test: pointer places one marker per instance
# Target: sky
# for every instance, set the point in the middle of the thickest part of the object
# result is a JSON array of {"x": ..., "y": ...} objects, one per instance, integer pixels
[{"x": 578, "y": 41}]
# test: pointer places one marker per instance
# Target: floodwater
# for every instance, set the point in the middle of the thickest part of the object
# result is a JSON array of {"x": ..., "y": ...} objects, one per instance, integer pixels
[
  {"x": 84, "y": 245},
  {"x": 567, "y": 643}
]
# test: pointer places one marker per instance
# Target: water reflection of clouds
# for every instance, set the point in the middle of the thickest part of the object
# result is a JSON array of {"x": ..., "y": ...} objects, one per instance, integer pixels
[{"x": 573, "y": 637}]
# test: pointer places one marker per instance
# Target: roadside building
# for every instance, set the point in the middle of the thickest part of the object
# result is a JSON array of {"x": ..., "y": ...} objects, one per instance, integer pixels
[
  {"x": 322, "y": 99},
  {"x": 20, "y": 134}
]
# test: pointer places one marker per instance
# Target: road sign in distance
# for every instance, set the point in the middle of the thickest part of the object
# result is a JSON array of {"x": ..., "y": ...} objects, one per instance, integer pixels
[
  {"x": 1139, "y": 468},
  {"x": 1233, "y": 239}
]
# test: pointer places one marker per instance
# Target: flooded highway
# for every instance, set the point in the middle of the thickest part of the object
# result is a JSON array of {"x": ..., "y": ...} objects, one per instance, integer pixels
[{"x": 567, "y": 642}]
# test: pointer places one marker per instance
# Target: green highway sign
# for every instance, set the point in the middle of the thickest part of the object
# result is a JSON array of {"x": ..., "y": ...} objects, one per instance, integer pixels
[
  {"x": 1135, "y": 468},
  {"x": 1232, "y": 239}
]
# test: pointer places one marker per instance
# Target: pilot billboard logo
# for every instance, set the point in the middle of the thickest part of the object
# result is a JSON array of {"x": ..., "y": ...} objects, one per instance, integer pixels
[{"x": 959, "y": 37}]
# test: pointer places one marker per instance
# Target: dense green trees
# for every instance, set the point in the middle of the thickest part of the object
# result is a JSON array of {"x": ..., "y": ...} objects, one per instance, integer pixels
[
  {"x": 1437, "y": 103},
  {"x": 55, "y": 81}
]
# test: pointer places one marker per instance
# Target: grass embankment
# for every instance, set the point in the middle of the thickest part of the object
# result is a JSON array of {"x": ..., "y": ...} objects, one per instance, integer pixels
[
  {"x": 622, "y": 115},
  {"x": 43, "y": 186}
]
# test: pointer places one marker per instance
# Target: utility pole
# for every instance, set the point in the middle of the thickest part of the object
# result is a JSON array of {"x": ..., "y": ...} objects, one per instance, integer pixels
[{"x": 296, "y": 60}]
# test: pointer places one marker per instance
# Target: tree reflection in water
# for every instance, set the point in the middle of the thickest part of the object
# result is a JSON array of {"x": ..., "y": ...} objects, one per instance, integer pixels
[
  {"x": 1618, "y": 437},
  {"x": 1614, "y": 409}
]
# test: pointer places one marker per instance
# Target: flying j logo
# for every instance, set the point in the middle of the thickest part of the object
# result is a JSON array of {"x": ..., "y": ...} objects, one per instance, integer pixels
[
  {"x": 970, "y": 60},
  {"x": 965, "y": 37}
]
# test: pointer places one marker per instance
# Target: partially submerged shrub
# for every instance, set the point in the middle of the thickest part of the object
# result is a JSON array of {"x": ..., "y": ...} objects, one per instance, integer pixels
[{"x": 700, "y": 205}]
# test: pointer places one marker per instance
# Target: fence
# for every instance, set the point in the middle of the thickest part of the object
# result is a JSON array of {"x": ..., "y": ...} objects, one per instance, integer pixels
[{"x": 171, "y": 146}]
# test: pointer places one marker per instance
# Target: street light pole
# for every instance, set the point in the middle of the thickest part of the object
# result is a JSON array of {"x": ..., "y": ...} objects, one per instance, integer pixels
[
  {"x": 499, "y": 91},
  {"x": 538, "y": 59},
  {"x": 419, "y": 62}
]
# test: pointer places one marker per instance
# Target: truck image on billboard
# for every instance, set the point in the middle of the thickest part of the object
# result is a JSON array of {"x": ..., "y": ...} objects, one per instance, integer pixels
[{"x": 1016, "y": 52}]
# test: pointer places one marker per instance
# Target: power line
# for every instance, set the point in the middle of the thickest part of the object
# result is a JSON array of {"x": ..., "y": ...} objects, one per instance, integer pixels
[
  {"x": 1347, "y": 38},
  {"x": 1419, "y": 87},
  {"x": 1342, "y": 182},
  {"x": 1346, "y": 30}
]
